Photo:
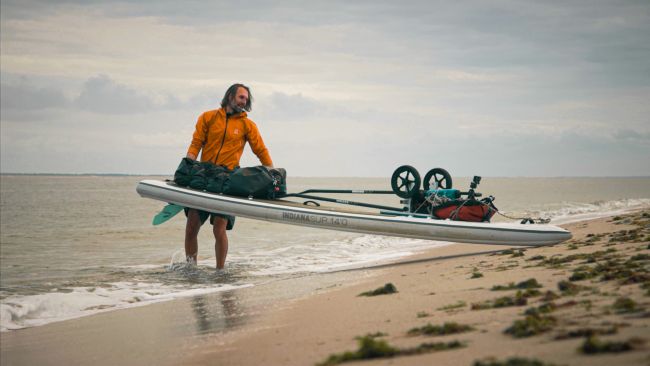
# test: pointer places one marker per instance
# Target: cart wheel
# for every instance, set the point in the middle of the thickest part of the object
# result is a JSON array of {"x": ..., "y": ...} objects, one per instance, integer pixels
[
  {"x": 405, "y": 181},
  {"x": 439, "y": 176}
]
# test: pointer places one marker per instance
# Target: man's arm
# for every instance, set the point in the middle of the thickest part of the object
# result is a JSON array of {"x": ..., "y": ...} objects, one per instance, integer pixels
[
  {"x": 198, "y": 139},
  {"x": 257, "y": 145}
]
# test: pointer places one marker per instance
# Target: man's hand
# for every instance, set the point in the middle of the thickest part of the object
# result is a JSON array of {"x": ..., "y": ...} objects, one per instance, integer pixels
[{"x": 191, "y": 156}]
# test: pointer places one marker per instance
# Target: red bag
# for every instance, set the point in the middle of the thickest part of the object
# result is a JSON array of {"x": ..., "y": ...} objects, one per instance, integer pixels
[{"x": 473, "y": 211}]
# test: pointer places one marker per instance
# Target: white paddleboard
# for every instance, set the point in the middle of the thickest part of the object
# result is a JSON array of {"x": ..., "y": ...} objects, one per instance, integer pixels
[{"x": 293, "y": 213}]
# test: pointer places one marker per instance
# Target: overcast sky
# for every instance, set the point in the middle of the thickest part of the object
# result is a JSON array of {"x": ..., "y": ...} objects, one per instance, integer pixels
[{"x": 349, "y": 88}]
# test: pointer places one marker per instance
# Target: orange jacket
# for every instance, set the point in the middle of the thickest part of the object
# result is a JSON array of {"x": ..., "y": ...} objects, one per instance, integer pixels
[{"x": 223, "y": 139}]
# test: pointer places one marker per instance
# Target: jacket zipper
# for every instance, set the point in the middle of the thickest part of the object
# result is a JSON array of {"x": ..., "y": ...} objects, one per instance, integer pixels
[{"x": 225, "y": 130}]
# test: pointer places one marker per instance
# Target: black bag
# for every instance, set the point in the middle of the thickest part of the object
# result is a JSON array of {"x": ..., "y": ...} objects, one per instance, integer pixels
[
  {"x": 279, "y": 182},
  {"x": 220, "y": 175},
  {"x": 183, "y": 174},
  {"x": 201, "y": 172},
  {"x": 257, "y": 182}
]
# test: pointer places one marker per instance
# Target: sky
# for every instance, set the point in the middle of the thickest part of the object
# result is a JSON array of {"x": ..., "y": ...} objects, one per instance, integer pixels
[{"x": 341, "y": 88}]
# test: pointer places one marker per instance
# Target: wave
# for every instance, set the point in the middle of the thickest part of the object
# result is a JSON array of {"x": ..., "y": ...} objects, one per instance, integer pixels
[
  {"x": 20, "y": 311},
  {"x": 576, "y": 211}
]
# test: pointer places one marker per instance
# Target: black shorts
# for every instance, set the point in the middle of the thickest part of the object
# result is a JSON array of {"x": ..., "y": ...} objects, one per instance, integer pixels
[{"x": 204, "y": 216}]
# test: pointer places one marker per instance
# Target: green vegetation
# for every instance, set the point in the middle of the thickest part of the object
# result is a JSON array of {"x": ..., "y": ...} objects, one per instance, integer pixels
[
  {"x": 586, "y": 332},
  {"x": 625, "y": 305},
  {"x": 501, "y": 302},
  {"x": 513, "y": 361},
  {"x": 458, "y": 305},
  {"x": 640, "y": 257},
  {"x": 431, "y": 347},
  {"x": 542, "y": 309},
  {"x": 568, "y": 288},
  {"x": 594, "y": 345},
  {"x": 582, "y": 274},
  {"x": 528, "y": 284},
  {"x": 511, "y": 252},
  {"x": 423, "y": 314},
  {"x": 646, "y": 287},
  {"x": 518, "y": 253},
  {"x": 536, "y": 258},
  {"x": 557, "y": 261},
  {"x": 476, "y": 274},
  {"x": 446, "y": 328},
  {"x": 387, "y": 289},
  {"x": 550, "y": 296},
  {"x": 370, "y": 348},
  {"x": 531, "y": 325},
  {"x": 625, "y": 272},
  {"x": 529, "y": 292},
  {"x": 625, "y": 235}
]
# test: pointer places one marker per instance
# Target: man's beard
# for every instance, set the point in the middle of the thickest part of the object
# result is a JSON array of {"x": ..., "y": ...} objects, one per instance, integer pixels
[{"x": 236, "y": 108}]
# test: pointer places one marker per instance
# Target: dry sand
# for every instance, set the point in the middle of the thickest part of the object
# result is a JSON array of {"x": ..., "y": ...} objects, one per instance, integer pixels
[{"x": 309, "y": 330}]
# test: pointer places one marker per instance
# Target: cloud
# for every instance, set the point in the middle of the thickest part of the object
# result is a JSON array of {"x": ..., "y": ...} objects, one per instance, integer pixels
[
  {"x": 102, "y": 95},
  {"x": 282, "y": 107},
  {"x": 25, "y": 96},
  {"x": 629, "y": 135},
  {"x": 361, "y": 86},
  {"x": 162, "y": 139}
]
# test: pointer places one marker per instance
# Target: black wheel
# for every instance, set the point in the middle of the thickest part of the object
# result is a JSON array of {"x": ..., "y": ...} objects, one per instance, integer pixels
[
  {"x": 405, "y": 181},
  {"x": 439, "y": 176}
]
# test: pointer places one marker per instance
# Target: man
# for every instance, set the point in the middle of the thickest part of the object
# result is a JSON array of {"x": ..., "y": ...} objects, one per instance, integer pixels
[{"x": 222, "y": 135}]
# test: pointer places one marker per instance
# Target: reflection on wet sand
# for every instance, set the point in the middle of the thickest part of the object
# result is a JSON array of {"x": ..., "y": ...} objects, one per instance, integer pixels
[{"x": 218, "y": 312}]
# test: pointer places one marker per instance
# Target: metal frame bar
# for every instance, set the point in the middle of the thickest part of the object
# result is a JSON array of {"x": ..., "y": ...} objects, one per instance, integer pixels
[{"x": 343, "y": 202}]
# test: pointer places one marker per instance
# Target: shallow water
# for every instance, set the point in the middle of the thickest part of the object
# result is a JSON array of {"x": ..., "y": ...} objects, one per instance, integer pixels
[{"x": 77, "y": 245}]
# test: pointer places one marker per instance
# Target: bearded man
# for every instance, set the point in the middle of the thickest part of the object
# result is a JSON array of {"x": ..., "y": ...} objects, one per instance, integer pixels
[{"x": 221, "y": 135}]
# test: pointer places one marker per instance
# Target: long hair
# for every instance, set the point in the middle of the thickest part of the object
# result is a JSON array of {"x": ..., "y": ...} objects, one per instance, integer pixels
[{"x": 232, "y": 91}]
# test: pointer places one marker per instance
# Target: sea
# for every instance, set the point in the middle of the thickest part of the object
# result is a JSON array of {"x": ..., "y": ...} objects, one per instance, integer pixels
[{"x": 73, "y": 246}]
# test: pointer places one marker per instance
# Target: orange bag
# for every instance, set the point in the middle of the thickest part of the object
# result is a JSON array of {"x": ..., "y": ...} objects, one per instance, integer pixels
[{"x": 465, "y": 210}]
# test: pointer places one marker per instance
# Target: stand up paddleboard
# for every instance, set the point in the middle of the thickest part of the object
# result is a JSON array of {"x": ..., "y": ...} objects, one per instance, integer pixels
[{"x": 386, "y": 222}]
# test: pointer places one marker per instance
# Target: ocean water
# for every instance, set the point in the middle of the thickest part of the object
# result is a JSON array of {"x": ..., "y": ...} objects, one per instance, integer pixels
[{"x": 72, "y": 246}]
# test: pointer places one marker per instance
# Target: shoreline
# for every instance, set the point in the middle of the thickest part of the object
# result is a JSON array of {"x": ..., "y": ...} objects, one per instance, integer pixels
[
  {"x": 286, "y": 331},
  {"x": 430, "y": 290}
]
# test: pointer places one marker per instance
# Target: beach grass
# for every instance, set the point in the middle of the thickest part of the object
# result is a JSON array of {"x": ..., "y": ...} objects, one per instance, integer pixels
[
  {"x": 458, "y": 305},
  {"x": 513, "y": 361},
  {"x": 593, "y": 345},
  {"x": 371, "y": 348},
  {"x": 444, "y": 329},
  {"x": 387, "y": 289},
  {"x": 500, "y": 302},
  {"x": 531, "y": 325},
  {"x": 527, "y": 284}
]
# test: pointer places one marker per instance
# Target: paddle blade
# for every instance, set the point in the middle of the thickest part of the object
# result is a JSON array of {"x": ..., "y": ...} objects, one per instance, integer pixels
[{"x": 167, "y": 213}]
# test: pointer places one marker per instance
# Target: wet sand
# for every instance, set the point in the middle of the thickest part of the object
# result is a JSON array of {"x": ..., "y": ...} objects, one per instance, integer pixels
[
  {"x": 434, "y": 288},
  {"x": 311, "y": 330}
]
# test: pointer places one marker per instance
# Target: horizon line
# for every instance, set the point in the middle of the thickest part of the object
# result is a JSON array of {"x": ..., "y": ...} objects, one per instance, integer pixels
[{"x": 316, "y": 176}]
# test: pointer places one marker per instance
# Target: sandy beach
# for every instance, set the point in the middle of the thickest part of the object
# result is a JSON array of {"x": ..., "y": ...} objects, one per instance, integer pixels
[
  {"x": 441, "y": 287},
  {"x": 582, "y": 302}
]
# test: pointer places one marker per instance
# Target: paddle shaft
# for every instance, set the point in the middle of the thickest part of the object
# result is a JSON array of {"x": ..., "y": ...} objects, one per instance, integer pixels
[{"x": 344, "y": 202}]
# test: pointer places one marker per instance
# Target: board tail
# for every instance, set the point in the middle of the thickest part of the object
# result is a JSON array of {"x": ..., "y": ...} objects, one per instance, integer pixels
[{"x": 167, "y": 213}]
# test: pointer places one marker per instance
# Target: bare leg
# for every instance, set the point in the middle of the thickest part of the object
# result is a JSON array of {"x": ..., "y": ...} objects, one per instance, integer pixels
[
  {"x": 220, "y": 240},
  {"x": 192, "y": 233}
]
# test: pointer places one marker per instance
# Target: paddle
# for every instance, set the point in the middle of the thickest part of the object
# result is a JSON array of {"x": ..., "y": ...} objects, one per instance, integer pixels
[{"x": 167, "y": 213}]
